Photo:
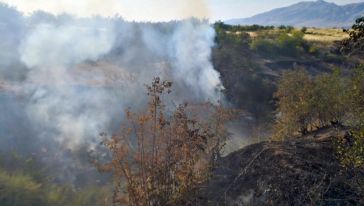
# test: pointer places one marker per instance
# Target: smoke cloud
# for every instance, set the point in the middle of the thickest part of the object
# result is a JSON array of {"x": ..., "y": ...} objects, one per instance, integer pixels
[
  {"x": 63, "y": 79},
  {"x": 140, "y": 10}
]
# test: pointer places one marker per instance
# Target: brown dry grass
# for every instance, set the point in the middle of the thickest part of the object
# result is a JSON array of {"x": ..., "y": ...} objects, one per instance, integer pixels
[{"x": 324, "y": 35}]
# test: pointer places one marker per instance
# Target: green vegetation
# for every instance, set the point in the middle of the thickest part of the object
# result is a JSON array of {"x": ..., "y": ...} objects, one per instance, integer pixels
[
  {"x": 357, "y": 95},
  {"x": 220, "y": 26},
  {"x": 293, "y": 104},
  {"x": 27, "y": 184},
  {"x": 354, "y": 44},
  {"x": 252, "y": 59},
  {"x": 308, "y": 103},
  {"x": 282, "y": 43},
  {"x": 282, "y": 77},
  {"x": 351, "y": 151}
]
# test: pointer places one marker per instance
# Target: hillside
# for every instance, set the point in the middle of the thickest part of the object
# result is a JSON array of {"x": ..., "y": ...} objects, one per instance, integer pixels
[
  {"x": 152, "y": 104},
  {"x": 251, "y": 61},
  {"x": 309, "y": 13},
  {"x": 304, "y": 171}
]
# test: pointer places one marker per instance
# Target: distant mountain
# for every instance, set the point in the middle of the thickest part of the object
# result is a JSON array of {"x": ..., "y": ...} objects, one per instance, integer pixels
[{"x": 309, "y": 13}]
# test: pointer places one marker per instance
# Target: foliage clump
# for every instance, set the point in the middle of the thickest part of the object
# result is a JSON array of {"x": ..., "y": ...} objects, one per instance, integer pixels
[
  {"x": 350, "y": 149},
  {"x": 26, "y": 184},
  {"x": 293, "y": 94},
  {"x": 221, "y": 26},
  {"x": 161, "y": 158},
  {"x": 307, "y": 103},
  {"x": 288, "y": 43},
  {"x": 354, "y": 44}
]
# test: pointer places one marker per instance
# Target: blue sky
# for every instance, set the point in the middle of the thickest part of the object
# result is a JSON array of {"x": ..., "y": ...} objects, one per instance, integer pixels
[{"x": 158, "y": 10}]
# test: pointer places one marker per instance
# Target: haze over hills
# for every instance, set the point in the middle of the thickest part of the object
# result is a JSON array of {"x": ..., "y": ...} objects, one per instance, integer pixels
[{"x": 308, "y": 13}]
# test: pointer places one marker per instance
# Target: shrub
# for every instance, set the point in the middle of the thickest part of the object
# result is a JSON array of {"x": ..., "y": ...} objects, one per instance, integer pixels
[
  {"x": 20, "y": 190},
  {"x": 354, "y": 44},
  {"x": 161, "y": 158},
  {"x": 304, "y": 30},
  {"x": 356, "y": 98},
  {"x": 329, "y": 98},
  {"x": 25, "y": 183},
  {"x": 265, "y": 46},
  {"x": 284, "y": 44},
  {"x": 350, "y": 149},
  {"x": 291, "y": 45},
  {"x": 306, "y": 103},
  {"x": 294, "y": 108}
]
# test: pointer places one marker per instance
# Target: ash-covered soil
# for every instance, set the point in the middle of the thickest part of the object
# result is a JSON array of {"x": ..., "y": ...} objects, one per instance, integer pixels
[{"x": 304, "y": 171}]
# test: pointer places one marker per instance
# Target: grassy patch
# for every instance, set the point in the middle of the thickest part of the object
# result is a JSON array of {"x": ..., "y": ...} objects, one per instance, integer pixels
[{"x": 324, "y": 35}]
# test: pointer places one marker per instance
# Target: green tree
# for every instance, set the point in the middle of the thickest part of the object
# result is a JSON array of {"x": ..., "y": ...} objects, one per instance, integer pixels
[{"x": 355, "y": 43}]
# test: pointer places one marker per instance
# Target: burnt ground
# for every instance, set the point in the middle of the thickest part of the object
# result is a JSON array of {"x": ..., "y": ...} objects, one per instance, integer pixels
[{"x": 304, "y": 171}]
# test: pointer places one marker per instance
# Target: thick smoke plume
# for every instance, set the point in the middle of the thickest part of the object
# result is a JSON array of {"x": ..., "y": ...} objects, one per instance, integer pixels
[{"x": 63, "y": 80}]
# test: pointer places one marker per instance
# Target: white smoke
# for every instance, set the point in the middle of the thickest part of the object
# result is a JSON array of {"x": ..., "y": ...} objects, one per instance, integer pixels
[
  {"x": 192, "y": 51},
  {"x": 49, "y": 45},
  {"x": 81, "y": 73},
  {"x": 52, "y": 51}
]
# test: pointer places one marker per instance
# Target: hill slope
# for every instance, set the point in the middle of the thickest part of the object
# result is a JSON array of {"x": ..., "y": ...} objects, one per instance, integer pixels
[
  {"x": 304, "y": 171},
  {"x": 311, "y": 13}
]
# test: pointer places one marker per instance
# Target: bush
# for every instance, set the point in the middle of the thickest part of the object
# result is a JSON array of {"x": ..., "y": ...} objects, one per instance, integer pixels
[
  {"x": 304, "y": 30},
  {"x": 282, "y": 27},
  {"x": 329, "y": 98},
  {"x": 356, "y": 98},
  {"x": 20, "y": 190},
  {"x": 23, "y": 182},
  {"x": 264, "y": 46},
  {"x": 164, "y": 157},
  {"x": 23, "y": 190},
  {"x": 306, "y": 103},
  {"x": 291, "y": 45},
  {"x": 284, "y": 44},
  {"x": 350, "y": 149},
  {"x": 354, "y": 44},
  {"x": 294, "y": 105}
]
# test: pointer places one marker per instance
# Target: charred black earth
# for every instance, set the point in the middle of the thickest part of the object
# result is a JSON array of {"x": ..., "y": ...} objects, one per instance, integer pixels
[{"x": 304, "y": 171}]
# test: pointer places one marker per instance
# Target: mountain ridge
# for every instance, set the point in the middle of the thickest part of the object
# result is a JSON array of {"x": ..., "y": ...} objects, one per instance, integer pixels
[{"x": 318, "y": 13}]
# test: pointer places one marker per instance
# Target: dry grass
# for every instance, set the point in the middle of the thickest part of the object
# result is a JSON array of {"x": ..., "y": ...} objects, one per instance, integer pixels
[{"x": 324, "y": 35}]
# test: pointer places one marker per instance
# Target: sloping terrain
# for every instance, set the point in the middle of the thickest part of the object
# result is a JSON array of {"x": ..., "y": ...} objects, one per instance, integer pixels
[
  {"x": 304, "y": 171},
  {"x": 250, "y": 74},
  {"x": 311, "y": 13}
]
